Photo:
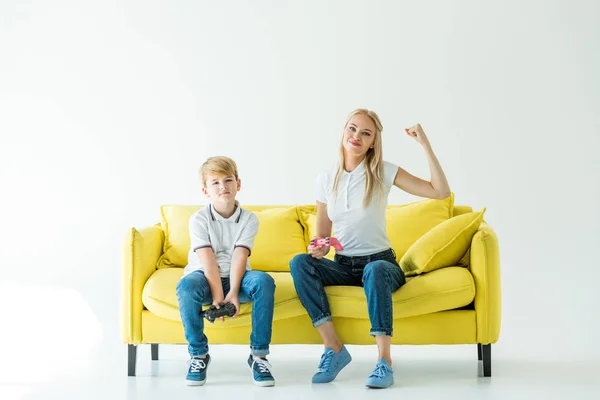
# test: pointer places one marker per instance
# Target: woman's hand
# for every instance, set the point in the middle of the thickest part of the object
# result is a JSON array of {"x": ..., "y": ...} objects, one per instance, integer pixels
[
  {"x": 318, "y": 252},
  {"x": 416, "y": 132}
]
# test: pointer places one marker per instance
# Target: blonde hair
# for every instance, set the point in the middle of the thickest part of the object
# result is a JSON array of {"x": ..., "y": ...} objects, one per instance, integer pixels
[
  {"x": 218, "y": 166},
  {"x": 373, "y": 160}
]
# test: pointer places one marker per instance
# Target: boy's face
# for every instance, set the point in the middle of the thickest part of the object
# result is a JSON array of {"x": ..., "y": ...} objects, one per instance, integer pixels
[{"x": 221, "y": 189}]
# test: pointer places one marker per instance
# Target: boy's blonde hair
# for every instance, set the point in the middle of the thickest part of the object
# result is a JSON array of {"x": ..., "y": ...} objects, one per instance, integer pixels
[
  {"x": 374, "y": 185},
  {"x": 218, "y": 166}
]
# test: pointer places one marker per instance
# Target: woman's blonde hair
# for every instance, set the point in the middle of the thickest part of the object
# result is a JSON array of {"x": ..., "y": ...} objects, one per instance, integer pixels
[
  {"x": 218, "y": 166},
  {"x": 373, "y": 160}
]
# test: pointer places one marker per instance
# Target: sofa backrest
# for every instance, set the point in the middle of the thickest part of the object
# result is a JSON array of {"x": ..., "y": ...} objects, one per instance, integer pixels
[{"x": 285, "y": 231}]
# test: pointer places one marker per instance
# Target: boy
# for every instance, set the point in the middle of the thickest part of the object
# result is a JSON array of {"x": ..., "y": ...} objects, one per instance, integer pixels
[{"x": 218, "y": 271}]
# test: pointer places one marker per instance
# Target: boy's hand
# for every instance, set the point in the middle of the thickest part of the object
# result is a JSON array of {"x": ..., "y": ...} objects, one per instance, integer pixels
[
  {"x": 235, "y": 300},
  {"x": 217, "y": 304},
  {"x": 318, "y": 252}
]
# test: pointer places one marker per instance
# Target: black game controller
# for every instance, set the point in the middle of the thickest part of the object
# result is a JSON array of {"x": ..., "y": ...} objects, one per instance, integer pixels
[{"x": 226, "y": 310}]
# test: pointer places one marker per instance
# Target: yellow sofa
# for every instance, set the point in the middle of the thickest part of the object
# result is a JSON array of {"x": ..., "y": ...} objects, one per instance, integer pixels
[{"x": 457, "y": 304}]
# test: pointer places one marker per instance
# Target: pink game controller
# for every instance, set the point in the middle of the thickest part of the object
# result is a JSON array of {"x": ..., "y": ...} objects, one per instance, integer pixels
[{"x": 328, "y": 241}]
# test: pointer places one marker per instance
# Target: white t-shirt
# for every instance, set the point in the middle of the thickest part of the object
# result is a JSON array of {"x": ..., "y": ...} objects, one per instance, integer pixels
[
  {"x": 360, "y": 230},
  {"x": 209, "y": 229}
]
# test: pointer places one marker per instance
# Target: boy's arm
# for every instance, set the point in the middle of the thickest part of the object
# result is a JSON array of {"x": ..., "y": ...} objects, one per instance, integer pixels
[
  {"x": 200, "y": 243},
  {"x": 238, "y": 269},
  {"x": 239, "y": 260},
  {"x": 211, "y": 271}
]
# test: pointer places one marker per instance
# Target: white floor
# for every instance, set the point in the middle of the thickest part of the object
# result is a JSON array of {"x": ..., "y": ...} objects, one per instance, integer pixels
[{"x": 447, "y": 372}]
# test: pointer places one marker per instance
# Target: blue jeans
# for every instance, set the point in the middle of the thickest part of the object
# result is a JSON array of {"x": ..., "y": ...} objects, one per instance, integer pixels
[
  {"x": 193, "y": 292},
  {"x": 379, "y": 274}
]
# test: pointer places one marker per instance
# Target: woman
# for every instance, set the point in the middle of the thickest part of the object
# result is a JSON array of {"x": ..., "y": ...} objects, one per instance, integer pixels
[{"x": 352, "y": 199}]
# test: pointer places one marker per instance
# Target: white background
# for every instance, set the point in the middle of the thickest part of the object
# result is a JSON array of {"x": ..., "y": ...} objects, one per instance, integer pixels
[{"x": 108, "y": 109}]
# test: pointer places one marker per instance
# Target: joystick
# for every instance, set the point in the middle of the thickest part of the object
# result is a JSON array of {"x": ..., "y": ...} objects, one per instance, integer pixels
[
  {"x": 328, "y": 241},
  {"x": 212, "y": 313}
]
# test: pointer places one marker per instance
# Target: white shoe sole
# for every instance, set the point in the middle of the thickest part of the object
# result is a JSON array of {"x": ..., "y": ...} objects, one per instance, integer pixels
[
  {"x": 195, "y": 383},
  {"x": 264, "y": 383}
]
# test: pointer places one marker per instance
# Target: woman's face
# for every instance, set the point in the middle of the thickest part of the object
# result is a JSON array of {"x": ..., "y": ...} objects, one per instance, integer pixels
[{"x": 359, "y": 135}]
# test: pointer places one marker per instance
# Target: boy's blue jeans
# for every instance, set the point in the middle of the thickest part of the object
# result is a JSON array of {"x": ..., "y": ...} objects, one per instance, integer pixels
[
  {"x": 379, "y": 273},
  {"x": 257, "y": 287}
]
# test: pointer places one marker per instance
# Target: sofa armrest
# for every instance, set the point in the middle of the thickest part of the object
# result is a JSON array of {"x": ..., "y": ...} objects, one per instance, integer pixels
[
  {"x": 141, "y": 250},
  {"x": 485, "y": 268}
]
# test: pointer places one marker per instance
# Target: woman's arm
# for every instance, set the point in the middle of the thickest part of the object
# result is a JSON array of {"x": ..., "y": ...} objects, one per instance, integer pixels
[
  {"x": 438, "y": 187},
  {"x": 323, "y": 221},
  {"x": 323, "y": 231}
]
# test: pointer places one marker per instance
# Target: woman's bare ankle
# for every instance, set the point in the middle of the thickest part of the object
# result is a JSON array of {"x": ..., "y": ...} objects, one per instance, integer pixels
[{"x": 335, "y": 346}]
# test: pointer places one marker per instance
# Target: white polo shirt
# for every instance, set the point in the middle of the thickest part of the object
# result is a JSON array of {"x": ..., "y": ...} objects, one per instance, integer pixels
[
  {"x": 360, "y": 230},
  {"x": 209, "y": 229}
]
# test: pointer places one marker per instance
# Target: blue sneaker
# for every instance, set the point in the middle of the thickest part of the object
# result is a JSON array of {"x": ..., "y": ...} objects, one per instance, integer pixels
[
  {"x": 331, "y": 364},
  {"x": 196, "y": 375},
  {"x": 381, "y": 377},
  {"x": 261, "y": 371}
]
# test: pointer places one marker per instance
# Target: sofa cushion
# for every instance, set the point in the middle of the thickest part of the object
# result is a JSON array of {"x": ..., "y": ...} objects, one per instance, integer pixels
[
  {"x": 440, "y": 290},
  {"x": 405, "y": 224},
  {"x": 280, "y": 236},
  {"x": 460, "y": 210},
  {"x": 160, "y": 297},
  {"x": 175, "y": 224},
  {"x": 443, "y": 246},
  {"x": 444, "y": 289}
]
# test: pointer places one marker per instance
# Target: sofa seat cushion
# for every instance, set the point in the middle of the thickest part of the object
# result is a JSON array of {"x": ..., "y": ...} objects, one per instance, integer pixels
[
  {"x": 442, "y": 289},
  {"x": 159, "y": 294}
]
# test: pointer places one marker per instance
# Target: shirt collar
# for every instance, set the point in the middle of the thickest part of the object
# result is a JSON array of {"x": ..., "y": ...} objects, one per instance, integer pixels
[
  {"x": 215, "y": 216},
  {"x": 359, "y": 170}
]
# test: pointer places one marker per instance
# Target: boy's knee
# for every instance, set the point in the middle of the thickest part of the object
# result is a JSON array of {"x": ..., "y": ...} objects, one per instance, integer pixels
[
  {"x": 188, "y": 285},
  {"x": 266, "y": 282},
  {"x": 271, "y": 284},
  {"x": 183, "y": 286}
]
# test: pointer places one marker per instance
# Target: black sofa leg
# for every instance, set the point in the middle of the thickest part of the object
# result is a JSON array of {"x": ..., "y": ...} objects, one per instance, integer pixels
[
  {"x": 154, "y": 350},
  {"x": 486, "y": 357},
  {"x": 479, "y": 356},
  {"x": 131, "y": 356}
]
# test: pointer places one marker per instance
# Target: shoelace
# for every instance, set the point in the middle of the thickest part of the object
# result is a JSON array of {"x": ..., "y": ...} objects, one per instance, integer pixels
[
  {"x": 379, "y": 371},
  {"x": 263, "y": 365},
  {"x": 325, "y": 363},
  {"x": 197, "y": 364}
]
